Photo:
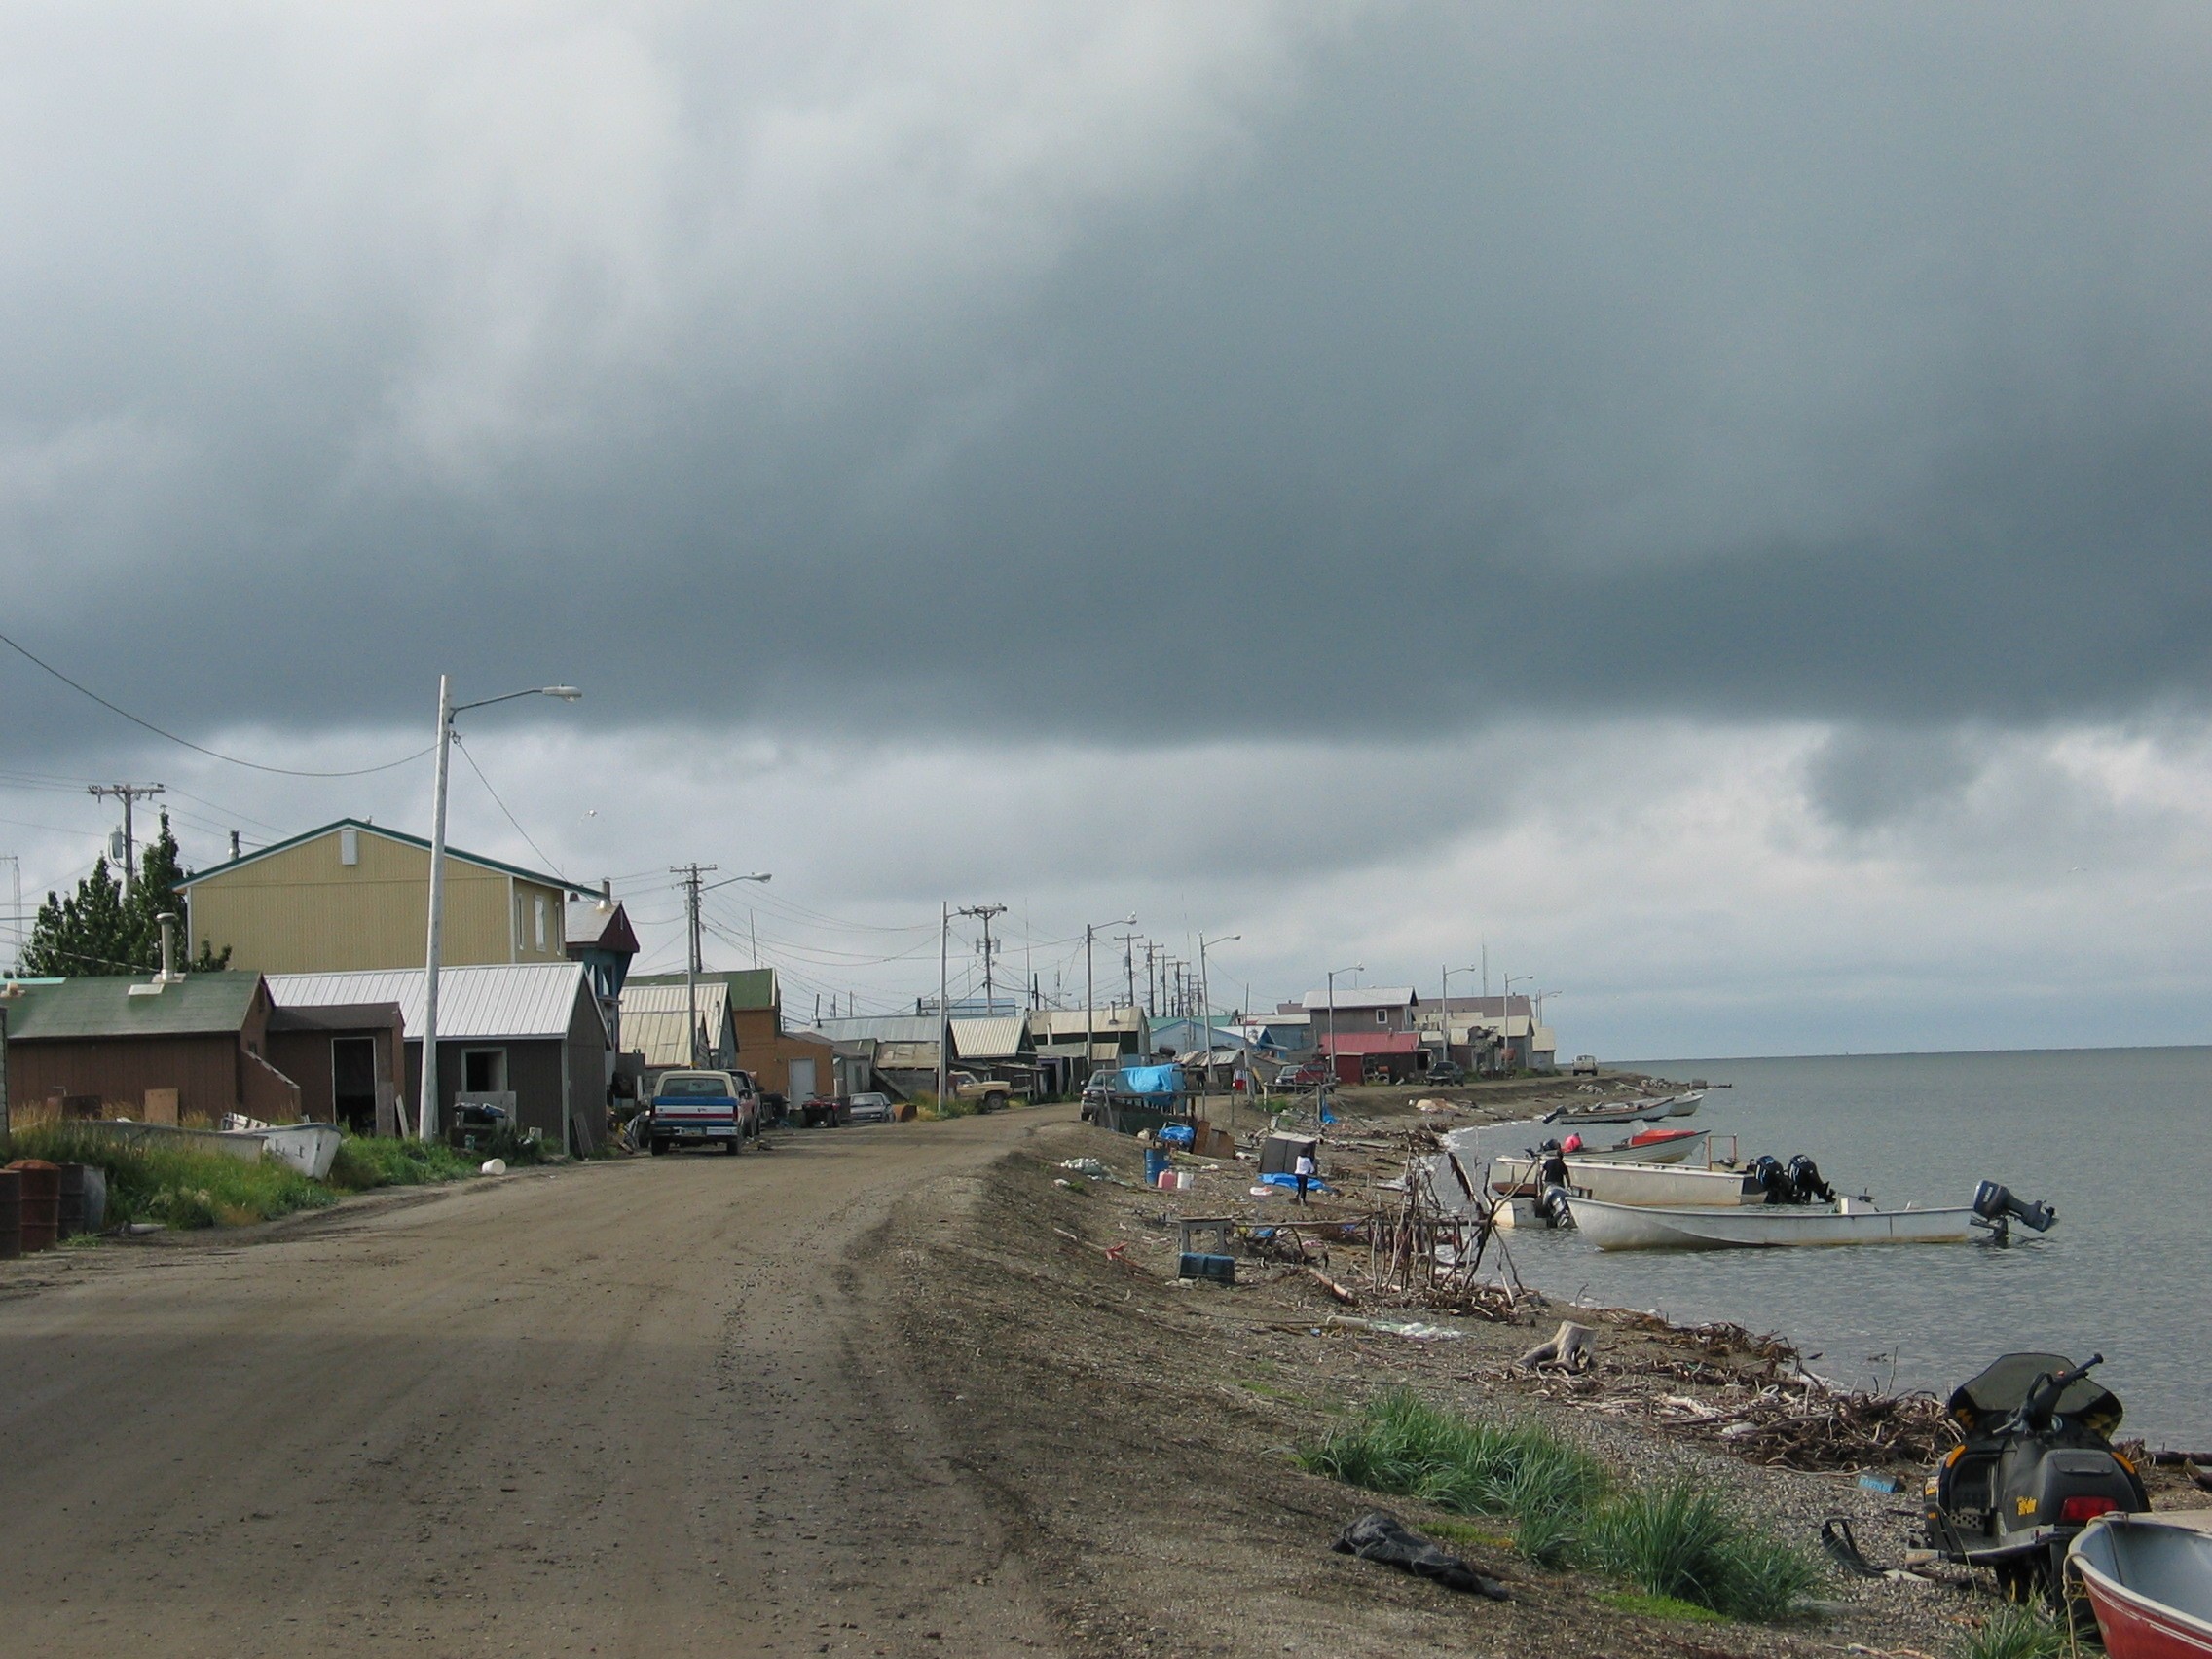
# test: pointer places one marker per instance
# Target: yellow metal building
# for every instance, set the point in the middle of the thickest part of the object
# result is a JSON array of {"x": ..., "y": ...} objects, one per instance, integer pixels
[{"x": 353, "y": 895}]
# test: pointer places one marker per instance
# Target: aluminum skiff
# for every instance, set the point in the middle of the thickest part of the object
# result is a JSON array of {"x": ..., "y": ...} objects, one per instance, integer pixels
[
  {"x": 2150, "y": 1582},
  {"x": 1659, "y": 1185},
  {"x": 1757, "y": 1227}
]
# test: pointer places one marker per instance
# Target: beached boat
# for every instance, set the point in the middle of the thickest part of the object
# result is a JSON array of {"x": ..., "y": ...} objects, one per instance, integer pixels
[
  {"x": 1651, "y": 1145},
  {"x": 2150, "y": 1582},
  {"x": 1756, "y": 1226},
  {"x": 1660, "y": 1185},
  {"x": 1683, "y": 1105},
  {"x": 1614, "y": 1112}
]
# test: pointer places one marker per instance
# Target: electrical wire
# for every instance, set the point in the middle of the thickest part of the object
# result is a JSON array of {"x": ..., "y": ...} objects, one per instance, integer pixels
[
  {"x": 201, "y": 749},
  {"x": 502, "y": 806}
]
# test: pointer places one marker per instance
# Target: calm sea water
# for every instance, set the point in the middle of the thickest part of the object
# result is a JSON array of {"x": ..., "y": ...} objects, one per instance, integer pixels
[{"x": 2119, "y": 1140}]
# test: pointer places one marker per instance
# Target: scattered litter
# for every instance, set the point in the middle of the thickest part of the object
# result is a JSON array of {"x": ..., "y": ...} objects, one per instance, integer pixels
[
  {"x": 494, "y": 1166},
  {"x": 1414, "y": 1330},
  {"x": 1383, "y": 1538},
  {"x": 1089, "y": 1166},
  {"x": 1881, "y": 1483}
]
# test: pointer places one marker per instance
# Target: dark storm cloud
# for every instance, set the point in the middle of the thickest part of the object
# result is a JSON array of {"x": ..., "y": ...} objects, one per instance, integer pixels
[{"x": 1738, "y": 362}]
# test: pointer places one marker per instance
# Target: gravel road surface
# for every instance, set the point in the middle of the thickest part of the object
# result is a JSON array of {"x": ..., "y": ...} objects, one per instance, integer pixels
[{"x": 642, "y": 1408}]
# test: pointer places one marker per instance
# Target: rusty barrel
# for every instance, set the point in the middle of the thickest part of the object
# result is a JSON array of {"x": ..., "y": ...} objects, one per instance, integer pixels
[
  {"x": 41, "y": 1203},
  {"x": 10, "y": 1214}
]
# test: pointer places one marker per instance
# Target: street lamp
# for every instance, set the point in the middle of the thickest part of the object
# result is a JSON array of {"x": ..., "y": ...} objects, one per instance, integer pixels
[
  {"x": 1506, "y": 1008},
  {"x": 1329, "y": 1071},
  {"x": 1206, "y": 1003},
  {"x": 1090, "y": 996},
  {"x": 426, "y": 1109},
  {"x": 1444, "y": 1006}
]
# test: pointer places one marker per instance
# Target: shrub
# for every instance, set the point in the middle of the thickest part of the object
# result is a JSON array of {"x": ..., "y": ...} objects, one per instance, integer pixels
[
  {"x": 1681, "y": 1540},
  {"x": 364, "y": 1162}
]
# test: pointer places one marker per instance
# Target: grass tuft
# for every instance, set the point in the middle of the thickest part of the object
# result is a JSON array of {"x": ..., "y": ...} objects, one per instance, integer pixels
[
  {"x": 2017, "y": 1632},
  {"x": 175, "y": 1185},
  {"x": 1681, "y": 1540},
  {"x": 1678, "y": 1542},
  {"x": 1658, "y": 1607},
  {"x": 366, "y": 1161}
]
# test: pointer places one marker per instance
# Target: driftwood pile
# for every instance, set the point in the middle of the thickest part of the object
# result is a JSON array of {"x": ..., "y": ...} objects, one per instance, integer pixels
[{"x": 1423, "y": 1252}]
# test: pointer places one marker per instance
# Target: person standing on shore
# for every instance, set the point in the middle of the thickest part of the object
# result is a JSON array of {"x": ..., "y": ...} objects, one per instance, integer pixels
[{"x": 1305, "y": 1169}]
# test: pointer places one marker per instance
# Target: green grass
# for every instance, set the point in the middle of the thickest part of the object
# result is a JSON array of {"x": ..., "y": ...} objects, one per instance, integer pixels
[
  {"x": 365, "y": 1162},
  {"x": 1683, "y": 1542},
  {"x": 184, "y": 1188},
  {"x": 2015, "y": 1633},
  {"x": 172, "y": 1185},
  {"x": 1658, "y": 1607},
  {"x": 1679, "y": 1542}
]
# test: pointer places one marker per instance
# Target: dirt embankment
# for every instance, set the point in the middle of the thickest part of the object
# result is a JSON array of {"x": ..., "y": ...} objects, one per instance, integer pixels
[{"x": 1136, "y": 1435}]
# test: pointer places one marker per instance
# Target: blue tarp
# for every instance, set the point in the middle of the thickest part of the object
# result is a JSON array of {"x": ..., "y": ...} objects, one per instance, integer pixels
[
  {"x": 1151, "y": 1080},
  {"x": 1314, "y": 1183},
  {"x": 1175, "y": 1134}
]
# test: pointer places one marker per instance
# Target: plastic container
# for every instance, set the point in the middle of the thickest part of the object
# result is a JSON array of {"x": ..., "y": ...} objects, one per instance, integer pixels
[
  {"x": 41, "y": 1203},
  {"x": 1155, "y": 1165},
  {"x": 1193, "y": 1265},
  {"x": 84, "y": 1199},
  {"x": 10, "y": 1214},
  {"x": 1165, "y": 1181}
]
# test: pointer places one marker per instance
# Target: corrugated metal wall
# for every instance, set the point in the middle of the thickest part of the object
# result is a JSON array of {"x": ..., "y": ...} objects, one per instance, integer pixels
[{"x": 305, "y": 911}]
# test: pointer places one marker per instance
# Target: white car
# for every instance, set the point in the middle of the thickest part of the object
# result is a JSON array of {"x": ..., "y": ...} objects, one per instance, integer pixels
[{"x": 872, "y": 1109}]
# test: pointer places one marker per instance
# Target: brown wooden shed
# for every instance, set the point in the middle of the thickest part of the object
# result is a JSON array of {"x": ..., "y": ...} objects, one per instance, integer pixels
[
  {"x": 113, "y": 1040},
  {"x": 345, "y": 1056}
]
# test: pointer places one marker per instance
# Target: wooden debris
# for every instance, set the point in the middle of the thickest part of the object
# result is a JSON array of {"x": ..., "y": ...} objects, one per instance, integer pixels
[{"x": 1570, "y": 1350}]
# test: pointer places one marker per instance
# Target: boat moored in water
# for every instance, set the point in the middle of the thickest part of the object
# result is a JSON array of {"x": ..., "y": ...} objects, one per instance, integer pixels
[
  {"x": 1756, "y": 1227},
  {"x": 1648, "y": 1109},
  {"x": 1658, "y": 1185}
]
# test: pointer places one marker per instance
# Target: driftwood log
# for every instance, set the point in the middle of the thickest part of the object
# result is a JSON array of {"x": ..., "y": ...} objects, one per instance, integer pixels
[{"x": 1570, "y": 1350}]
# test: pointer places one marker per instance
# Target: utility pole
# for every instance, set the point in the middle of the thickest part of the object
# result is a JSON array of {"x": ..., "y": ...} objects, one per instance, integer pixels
[
  {"x": 985, "y": 913},
  {"x": 1130, "y": 967},
  {"x": 944, "y": 1020},
  {"x": 233, "y": 846},
  {"x": 127, "y": 794},
  {"x": 690, "y": 875}
]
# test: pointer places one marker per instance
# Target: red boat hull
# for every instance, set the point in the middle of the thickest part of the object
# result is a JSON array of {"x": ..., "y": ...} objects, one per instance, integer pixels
[{"x": 2155, "y": 1555}]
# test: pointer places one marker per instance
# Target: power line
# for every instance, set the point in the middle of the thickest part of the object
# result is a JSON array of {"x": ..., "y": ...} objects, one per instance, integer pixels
[
  {"x": 201, "y": 749},
  {"x": 502, "y": 806}
]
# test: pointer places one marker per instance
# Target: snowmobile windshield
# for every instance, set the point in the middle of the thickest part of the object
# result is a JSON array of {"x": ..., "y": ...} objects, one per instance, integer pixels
[{"x": 1981, "y": 1405}]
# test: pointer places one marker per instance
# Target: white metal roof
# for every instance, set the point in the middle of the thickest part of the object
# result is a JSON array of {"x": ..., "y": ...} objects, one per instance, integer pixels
[
  {"x": 881, "y": 1028},
  {"x": 657, "y": 1021},
  {"x": 1058, "y": 1022},
  {"x": 1363, "y": 996},
  {"x": 498, "y": 999},
  {"x": 998, "y": 1038}
]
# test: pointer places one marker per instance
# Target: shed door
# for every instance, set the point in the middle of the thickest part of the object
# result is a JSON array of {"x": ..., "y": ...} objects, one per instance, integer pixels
[
  {"x": 802, "y": 1079},
  {"x": 353, "y": 1082}
]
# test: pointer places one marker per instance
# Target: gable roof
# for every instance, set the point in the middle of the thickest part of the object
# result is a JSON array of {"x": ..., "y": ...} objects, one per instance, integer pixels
[
  {"x": 1000, "y": 1038},
  {"x": 656, "y": 1019},
  {"x": 881, "y": 1028},
  {"x": 593, "y": 923},
  {"x": 197, "y": 1005},
  {"x": 1364, "y": 996},
  {"x": 749, "y": 988},
  {"x": 400, "y": 836},
  {"x": 516, "y": 1000}
]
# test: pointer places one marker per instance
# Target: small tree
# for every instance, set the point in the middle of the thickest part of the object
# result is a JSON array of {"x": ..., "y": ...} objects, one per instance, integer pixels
[{"x": 99, "y": 931}]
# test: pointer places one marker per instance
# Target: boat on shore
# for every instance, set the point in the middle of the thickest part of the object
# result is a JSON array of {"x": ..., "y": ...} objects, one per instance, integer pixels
[
  {"x": 1758, "y": 1226},
  {"x": 1665, "y": 1186},
  {"x": 1683, "y": 1105},
  {"x": 2148, "y": 1578},
  {"x": 1648, "y": 1109}
]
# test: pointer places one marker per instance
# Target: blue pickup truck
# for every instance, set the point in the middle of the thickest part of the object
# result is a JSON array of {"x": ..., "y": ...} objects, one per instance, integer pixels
[{"x": 703, "y": 1108}]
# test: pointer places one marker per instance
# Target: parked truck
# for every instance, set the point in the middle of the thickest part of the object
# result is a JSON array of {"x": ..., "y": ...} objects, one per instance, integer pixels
[
  {"x": 703, "y": 1108},
  {"x": 989, "y": 1093}
]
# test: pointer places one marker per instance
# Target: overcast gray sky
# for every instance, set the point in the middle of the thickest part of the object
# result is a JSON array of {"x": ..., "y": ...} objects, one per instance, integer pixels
[{"x": 1710, "y": 500}]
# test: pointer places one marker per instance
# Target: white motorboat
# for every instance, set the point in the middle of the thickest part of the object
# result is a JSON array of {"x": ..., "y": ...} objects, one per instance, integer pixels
[
  {"x": 1645, "y": 1110},
  {"x": 1753, "y": 1227},
  {"x": 1660, "y": 1185},
  {"x": 1683, "y": 1105}
]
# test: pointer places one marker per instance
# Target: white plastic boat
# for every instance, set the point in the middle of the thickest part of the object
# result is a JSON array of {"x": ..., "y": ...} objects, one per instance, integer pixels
[
  {"x": 1683, "y": 1105},
  {"x": 1649, "y": 1184},
  {"x": 1756, "y": 1226}
]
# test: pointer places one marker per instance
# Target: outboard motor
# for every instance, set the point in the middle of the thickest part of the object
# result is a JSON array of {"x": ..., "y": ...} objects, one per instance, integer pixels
[
  {"x": 1773, "y": 1180},
  {"x": 1996, "y": 1208},
  {"x": 1806, "y": 1183}
]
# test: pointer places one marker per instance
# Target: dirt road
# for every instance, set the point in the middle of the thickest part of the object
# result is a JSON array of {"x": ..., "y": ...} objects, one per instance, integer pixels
[{"x": 632, "y": 1409}]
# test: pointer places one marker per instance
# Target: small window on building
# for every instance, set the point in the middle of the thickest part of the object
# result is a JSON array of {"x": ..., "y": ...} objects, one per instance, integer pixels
[
  {"x": 349, "y": 847},
  {"x": 541, "y": 923},
  {"x": 483, "y": 1071},
  {"x": 1382, "y": 1016}
]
